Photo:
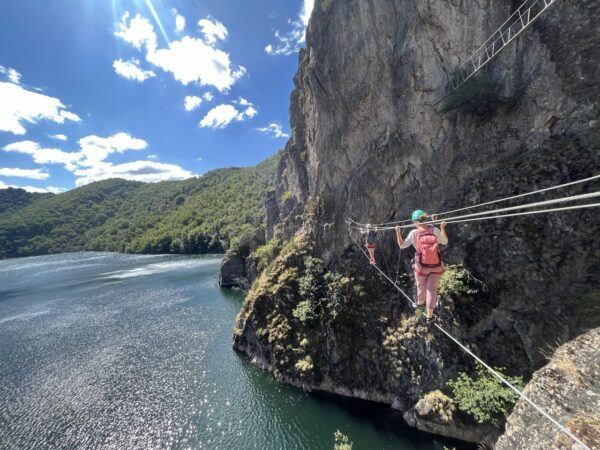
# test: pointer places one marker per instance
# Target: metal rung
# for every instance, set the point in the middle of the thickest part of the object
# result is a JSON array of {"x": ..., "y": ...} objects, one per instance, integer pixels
[{"x": 523, "y": 16}]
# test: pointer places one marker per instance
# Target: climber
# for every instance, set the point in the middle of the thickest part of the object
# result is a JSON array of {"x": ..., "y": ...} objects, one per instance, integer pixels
[
  {"x": 427, "y": 263},
  {"x": 371, "y": 238}
]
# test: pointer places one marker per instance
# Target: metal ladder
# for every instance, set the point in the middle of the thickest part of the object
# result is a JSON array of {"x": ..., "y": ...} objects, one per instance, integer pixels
[{"x": 524, "y": 16}]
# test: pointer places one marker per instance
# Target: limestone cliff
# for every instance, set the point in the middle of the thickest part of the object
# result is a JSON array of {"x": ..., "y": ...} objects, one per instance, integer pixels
[
  {"x": 369, "y": 142},
  {"x": 567, "y": 388}
]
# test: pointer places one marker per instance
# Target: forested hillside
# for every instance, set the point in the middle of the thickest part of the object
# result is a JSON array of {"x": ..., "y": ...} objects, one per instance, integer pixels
[
  {"x": 191, "y": 216},
  {"x": 13, "y": 199}
]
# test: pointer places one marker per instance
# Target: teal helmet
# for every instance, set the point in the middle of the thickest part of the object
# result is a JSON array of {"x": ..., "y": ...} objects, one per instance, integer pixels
[{"x": 416, "y": 215}]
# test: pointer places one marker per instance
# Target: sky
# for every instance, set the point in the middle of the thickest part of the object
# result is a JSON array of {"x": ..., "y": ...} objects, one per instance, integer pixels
[{"x": 146, "y": 90}]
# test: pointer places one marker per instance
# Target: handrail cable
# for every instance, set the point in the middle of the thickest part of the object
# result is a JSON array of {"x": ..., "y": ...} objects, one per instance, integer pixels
[
  {"x": 495, "y": 211},
  {"x": 539, "y": 211},
  {"x": 525, "y": 194},
  {"x": 490, "y": 369}
]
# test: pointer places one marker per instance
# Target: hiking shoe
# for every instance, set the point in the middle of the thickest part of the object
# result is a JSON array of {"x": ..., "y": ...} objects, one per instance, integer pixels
[{"x": 430, "y": 321}]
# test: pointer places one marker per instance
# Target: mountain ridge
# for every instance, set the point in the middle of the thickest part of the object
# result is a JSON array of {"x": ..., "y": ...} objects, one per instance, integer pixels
[{"x": 197, "y": 215}]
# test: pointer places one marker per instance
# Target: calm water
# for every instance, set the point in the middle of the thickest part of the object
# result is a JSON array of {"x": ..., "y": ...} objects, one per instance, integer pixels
[{"x": 118, "y": 351}]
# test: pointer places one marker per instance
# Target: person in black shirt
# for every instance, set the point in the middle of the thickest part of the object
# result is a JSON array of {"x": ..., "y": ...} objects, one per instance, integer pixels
[{"x": 371, "y": 244}]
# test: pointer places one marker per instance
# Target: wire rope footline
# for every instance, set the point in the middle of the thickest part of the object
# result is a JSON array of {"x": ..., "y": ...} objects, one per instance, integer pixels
[
  {"x": 478, "y": 359},
  {"x": 501, "y": 216},
  {"x": 479, "y": 205}
]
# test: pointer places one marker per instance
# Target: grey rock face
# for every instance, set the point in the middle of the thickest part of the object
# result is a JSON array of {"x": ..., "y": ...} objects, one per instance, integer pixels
[
  {"x": 233, "y": 271},
  {"x": 238, "y": 268},
  {"x": 567, "y": 388},
  {"x": 368, "y": 143}
]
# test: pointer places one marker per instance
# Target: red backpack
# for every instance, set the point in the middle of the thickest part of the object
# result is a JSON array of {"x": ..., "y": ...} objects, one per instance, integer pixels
[{"x": 428, "y": 252}]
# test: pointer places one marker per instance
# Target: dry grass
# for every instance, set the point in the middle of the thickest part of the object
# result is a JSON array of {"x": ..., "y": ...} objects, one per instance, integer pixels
[{"x": 585, "y": 428}]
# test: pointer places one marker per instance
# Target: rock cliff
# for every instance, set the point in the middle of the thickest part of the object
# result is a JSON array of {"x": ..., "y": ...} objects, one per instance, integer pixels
[
  {"x": 370, "y": 142},
  {"x": 567, "y": 388}
]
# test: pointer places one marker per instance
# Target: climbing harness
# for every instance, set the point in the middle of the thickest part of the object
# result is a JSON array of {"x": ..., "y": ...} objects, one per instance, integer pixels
[{"x": 473, "y": 355}]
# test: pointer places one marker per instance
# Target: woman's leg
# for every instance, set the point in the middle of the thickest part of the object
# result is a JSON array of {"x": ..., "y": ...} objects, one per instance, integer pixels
[
  {"x": 421, "y": 281},
  {"x": 372, "y": 254},
  {"x": 433, "y": 280}
]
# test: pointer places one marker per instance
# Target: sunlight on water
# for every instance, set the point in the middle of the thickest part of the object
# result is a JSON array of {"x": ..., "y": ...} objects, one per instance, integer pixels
[{"x": 116, "y": 351}]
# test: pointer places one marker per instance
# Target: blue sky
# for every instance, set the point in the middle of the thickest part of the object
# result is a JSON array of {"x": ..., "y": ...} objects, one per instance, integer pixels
[{"x": 146, "y": 90}]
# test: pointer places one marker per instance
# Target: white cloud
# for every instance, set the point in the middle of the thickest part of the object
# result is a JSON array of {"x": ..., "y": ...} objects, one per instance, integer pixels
[
  {"x": 179, "y": 23},
  {"x": 93, "y": 150},
  {"x": 274, "y": 130},
  {"x": 45, "y": 155},
  {"x": 52, "y": 189},
  {"x": 146, "y": 171},
  {"x": 18, "y": 105},
  {"x": 212, "y": 30},
  {"x": 207, "y": 96},
  {"x": 291, "y": 41},
  {"x": 222, "y": 115},
  {"x": 138, "y": 32},
  {"x": 34, "y": 174},
  {"x": 250, "y": 112},
  {"x": 190, "y": 60},
  {"x": 191, "y": 102},
  {"x": 14, "y": 76},
  {"x": 179, "y": 20},
  {"x": 60, "y": 137},
  {"x": 131, "y": 70},
  {"x": 89, "y": 163},
  {"x": 306, "y": 11},
  {"x": 242, "y": 101}
]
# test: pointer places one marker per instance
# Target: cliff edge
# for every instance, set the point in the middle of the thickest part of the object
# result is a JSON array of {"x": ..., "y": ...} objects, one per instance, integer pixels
[
  {"x": 568, "y": 389},
  {"x": 372, "y": 141}
]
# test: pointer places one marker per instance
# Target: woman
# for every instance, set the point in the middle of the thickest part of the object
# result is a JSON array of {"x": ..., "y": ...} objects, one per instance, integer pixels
[
  {"x": 371, "y": 241},
  {"x": 427, "y": 264}
]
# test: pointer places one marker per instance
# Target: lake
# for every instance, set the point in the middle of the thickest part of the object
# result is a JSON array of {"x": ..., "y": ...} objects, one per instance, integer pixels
[{"x": 103, "y": 350}]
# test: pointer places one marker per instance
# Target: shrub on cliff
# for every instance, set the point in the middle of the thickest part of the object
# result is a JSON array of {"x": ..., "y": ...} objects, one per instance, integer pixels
[
  {"x": 304, "y": 311},
  {"x": 341, "y": 441},
  {"x": 266, "y": 254},
  {"x": 484, "y": 397},
  {"x": 459, "y": 281}
]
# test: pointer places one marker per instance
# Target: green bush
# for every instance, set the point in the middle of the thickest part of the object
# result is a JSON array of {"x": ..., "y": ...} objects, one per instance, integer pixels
[
  {"x": 285, "y": 196},
  {"x": 266, "y": 254},
  {"x": 311, "y": 284},
  {"x": 485, "y": 397},
  {"x": 458, "y": 280},
  {"x": 341, "y": 441},
  {"x": 304, "y": 311}
]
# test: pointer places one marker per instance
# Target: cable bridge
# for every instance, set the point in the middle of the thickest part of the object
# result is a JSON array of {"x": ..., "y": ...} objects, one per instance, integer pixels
[{"x": 518, "y": 22}]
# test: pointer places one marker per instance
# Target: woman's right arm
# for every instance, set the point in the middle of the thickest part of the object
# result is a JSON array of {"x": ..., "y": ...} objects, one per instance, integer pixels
[{"x": 401, "y": 242}]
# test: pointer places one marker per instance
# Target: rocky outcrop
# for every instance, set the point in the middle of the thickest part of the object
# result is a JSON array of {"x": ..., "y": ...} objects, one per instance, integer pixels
[
  {"x": 370, "y": 142},
  {"x": 445, "y": 420},
  {"x": 568, "y": 389},
  {"x": 238, "y": 269}
]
